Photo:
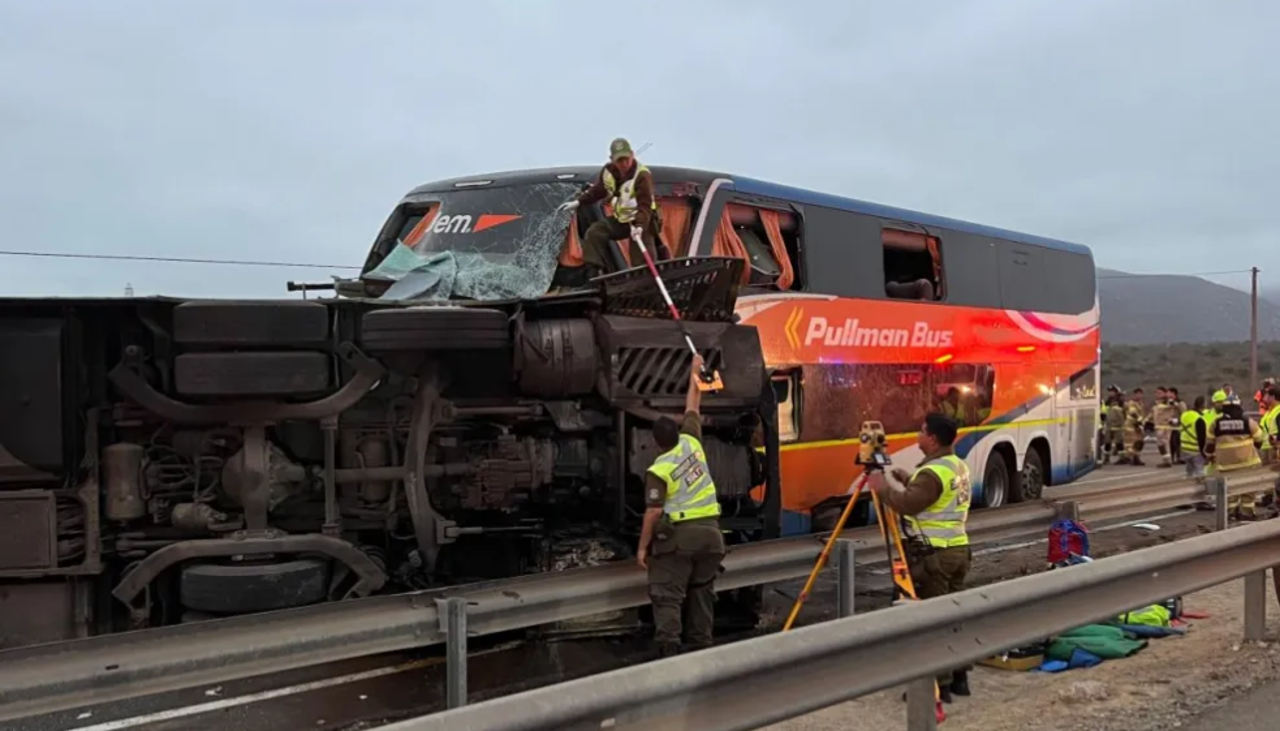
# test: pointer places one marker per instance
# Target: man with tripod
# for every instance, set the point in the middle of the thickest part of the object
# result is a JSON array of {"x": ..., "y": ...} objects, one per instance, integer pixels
[{"x": 934, "y": 504}]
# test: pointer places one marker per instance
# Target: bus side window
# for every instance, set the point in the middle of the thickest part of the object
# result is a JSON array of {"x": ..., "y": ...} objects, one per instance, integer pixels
[
  {"x": 912, "y": 265},
  {"x": 768, "y": 240},
  {"x": 786, "y": 391}
]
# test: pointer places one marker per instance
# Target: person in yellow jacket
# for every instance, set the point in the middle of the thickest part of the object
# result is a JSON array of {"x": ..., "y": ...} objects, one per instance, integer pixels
[
  {"x": 1232, "y": 445},
  {"x": 934, "y": 504},
  {"x": 1135, "y": 417},
  {"x": 1179, "y": 408},
  {"x": 1192, "y": 436},
  {"x": 681, "y": 546},
  {"x": 1113, "y": 427},
  {"x": 1270, "y": 424}
]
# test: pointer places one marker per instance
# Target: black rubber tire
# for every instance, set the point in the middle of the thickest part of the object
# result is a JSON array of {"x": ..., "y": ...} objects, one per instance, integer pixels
[
  {"x": 251, "y": 374},
  {"x": 423, "y": 329},
  {"x": 251, "y": 323},
  {"x": 256, "y": 587},
  {"x": 1031, "y": 480},
  {"x": 996, "y": 469}
]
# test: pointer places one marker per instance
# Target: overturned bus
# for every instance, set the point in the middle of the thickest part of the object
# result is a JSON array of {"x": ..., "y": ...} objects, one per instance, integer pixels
[{"x": 442, "y": 420}]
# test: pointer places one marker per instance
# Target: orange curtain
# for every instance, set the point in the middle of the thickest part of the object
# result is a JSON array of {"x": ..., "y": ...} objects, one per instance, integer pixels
[
  {"x": 677, "y": 219},
  {"x": 772, "y": 227},
  {"x": 936, "y": 256},
  {"x": 571, "y": 252},
  {"x": 727, "y": 243}
]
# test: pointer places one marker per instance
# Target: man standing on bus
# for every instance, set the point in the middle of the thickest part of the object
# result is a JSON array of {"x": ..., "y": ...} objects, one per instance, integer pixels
[
  {"x": 934, "y": 502},
  {"x": 680, "y": 541},
  {"x": 628, "y": 186}
]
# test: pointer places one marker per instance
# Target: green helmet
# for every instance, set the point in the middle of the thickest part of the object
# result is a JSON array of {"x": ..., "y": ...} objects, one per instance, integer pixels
[{"x": 1219, "y": 397}]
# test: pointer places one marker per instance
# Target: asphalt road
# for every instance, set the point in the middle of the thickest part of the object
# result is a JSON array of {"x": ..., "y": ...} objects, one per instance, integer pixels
[
  {"x": 1253, "y": 711},
  {"x": 366, "y": 692}
]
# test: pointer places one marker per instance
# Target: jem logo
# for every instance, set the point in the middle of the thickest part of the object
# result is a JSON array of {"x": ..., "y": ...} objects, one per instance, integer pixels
[
  {"x": 456, "y": 224},
  {"x": 851, "y": 334}
]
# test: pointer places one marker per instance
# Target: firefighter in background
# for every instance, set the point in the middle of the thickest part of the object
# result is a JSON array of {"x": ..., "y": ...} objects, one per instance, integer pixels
[
  {"x": 1192, "y": 436},
  {"x": 1179, "y": 408},
  {"x": 1135, "y": 418},
  {"x": 1113, "y": 427},
  {"x": 1261, "y": 395},
  {"x": 1233, "y": 444},
  {"x": 1165, "y": 416}
]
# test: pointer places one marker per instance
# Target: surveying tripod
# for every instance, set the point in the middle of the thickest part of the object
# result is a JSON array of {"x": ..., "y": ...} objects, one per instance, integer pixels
[{"x": 873, "y": 458}]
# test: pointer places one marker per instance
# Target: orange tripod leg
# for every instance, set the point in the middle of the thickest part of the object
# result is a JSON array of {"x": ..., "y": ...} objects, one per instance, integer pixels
[
  {"x": 891, "y": 531},
  {"x": 826, "y": 552}
]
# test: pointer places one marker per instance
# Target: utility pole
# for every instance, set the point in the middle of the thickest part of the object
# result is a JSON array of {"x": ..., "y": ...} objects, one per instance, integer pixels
[{"x": 1253, "y": 331}]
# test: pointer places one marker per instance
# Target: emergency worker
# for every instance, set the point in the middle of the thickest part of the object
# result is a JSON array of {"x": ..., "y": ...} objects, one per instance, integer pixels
[
  {"x": 1180, "y": 408},
  {"x": 1260, "y": 396},
  {"x": 1192, "y": 436},
  {"x": 680, "y": 542},
  {"x": 934, "y": 503},
  {"x": 1233, "y": 444},
  {"x": 952, "y": 407},
  {"x": 1270, "y": 424},
  {"x": 1165, "y": 416},
  {"x": 1114, "y": 438},
  {"x": 1135, "y": 417},
  {"x": 628, "y": 187}
]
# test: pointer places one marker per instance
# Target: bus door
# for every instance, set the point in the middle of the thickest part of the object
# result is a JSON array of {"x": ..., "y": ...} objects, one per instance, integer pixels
[{"x": 1078, "y": 408}]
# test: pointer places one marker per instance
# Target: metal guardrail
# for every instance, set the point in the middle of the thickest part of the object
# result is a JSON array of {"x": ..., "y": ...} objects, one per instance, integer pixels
[
  {"x": 65, "y": 675},
  {"x": 755, "y": 683}
]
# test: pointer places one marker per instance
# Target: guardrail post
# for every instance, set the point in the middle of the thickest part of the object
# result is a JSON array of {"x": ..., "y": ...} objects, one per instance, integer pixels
[
  {"x": 845, "y": 587},
  {"x": 453, "y": 623},
  {"x": 1217, "y": 486},
  {"x": 922, "y": 705},
  {"x": 1255, "y": 605}
]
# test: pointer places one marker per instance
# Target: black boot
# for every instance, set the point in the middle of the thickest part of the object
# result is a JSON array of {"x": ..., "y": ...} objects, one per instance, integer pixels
[
  {"x": 960, "y": 684},
  {"x": 668, "y": 649},
  {"x": 944, "y": 694}
]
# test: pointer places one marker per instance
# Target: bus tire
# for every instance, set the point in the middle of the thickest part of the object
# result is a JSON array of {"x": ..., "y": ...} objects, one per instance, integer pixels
[
  {"x": 427, "y": 329},
  {"x": 251, "y": 324},
  {"x": 1031, "y": 479},
  {"x": 995, "y": 481},
  {"x": 219, "y": 588}
]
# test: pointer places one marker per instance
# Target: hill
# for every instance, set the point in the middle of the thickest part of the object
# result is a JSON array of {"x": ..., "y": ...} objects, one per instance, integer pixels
[
  {"x": 1194, "y": 369},
  {"x": 1151, "y": 309}
]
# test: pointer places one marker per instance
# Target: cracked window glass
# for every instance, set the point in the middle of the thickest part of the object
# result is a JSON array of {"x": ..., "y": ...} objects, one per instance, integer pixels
[{"x": 483, "y": 244}]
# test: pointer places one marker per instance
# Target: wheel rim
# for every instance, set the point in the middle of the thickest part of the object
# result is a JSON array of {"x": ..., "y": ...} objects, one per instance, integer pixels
[
  {"x": 1033, "y": 479},
  {"x": 995, "y": 489}
]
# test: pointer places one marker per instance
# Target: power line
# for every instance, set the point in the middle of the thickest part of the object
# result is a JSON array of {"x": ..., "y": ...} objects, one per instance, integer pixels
[
  {"x": 173, "y": 259},
  {"x": 1175, "y": 274}
]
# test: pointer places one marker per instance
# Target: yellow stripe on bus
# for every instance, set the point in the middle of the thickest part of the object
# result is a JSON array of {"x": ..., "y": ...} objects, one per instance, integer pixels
[{"x": 913, "y": 434}]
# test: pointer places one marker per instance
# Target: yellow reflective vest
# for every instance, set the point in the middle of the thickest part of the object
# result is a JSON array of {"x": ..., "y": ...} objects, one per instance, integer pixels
[
  {"x": 623, "y": 200},
  {"x": 942, "y": 524},
  {"x": 691, "y": 494}
]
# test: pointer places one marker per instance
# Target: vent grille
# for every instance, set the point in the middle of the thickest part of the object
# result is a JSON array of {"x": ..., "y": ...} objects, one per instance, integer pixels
[
  {"x": 704, "y": 289},
  {"x": 658, "y": 371}
]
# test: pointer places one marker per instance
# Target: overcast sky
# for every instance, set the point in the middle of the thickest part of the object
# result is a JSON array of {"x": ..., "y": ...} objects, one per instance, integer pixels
[{"x": 286, "y": 130}]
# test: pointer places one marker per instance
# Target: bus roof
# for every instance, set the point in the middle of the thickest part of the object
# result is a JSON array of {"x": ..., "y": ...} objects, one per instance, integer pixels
[{"x": 666, "y": 174}]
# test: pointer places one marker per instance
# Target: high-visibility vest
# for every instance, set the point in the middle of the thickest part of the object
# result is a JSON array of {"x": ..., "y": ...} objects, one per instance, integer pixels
[
  {"x": 1271, "y": 426},
  {"x": 942, "y": 524},
  {"x": 691, "y": 494},
  {"x": 1234, "y": 441},
  {"x": 1188, "y": 438},
  {"x": 1210, "y": 416},
  {"x": 625, "y": 206}
]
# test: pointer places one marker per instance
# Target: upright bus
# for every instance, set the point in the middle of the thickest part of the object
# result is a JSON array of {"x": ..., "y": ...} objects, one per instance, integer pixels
[{"x": 864, "y": 312}]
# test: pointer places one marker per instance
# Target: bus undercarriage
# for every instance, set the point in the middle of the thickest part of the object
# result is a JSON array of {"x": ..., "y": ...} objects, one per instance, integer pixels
[{"x": 165, "y": 461}]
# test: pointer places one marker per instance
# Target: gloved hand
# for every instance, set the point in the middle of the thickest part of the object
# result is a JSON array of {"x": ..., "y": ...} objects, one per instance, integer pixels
[
  {"x": 636, "y": 233},
  {"x": 568, "y": 206}
]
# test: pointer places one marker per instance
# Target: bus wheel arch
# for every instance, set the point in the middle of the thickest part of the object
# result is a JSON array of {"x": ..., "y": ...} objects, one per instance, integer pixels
[
  {"x": 1034, "y": 475},
  {"x": 997, "y": 475}
]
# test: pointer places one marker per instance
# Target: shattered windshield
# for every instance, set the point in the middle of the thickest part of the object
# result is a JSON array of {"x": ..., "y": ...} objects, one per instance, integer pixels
[{"x": 479, "y": 243}]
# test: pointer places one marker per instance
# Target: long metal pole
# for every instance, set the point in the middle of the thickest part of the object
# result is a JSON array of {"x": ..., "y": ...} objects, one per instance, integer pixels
[{"x": 1253, "y": 332}]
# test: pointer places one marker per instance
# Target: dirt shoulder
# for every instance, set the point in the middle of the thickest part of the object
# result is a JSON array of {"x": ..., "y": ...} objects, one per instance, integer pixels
[{"x": 1170, "y": 682}]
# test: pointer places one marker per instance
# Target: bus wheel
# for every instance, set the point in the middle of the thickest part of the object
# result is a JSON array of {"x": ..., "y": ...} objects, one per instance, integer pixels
[
  {"x": 1031, "y": 484},
  {"x": 995, "y": 482}
]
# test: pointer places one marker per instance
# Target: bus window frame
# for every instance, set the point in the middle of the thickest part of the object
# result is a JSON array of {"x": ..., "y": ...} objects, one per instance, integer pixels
[
  {"x": 793, "y": 377},
  {"x": 713, "y": 209}
]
